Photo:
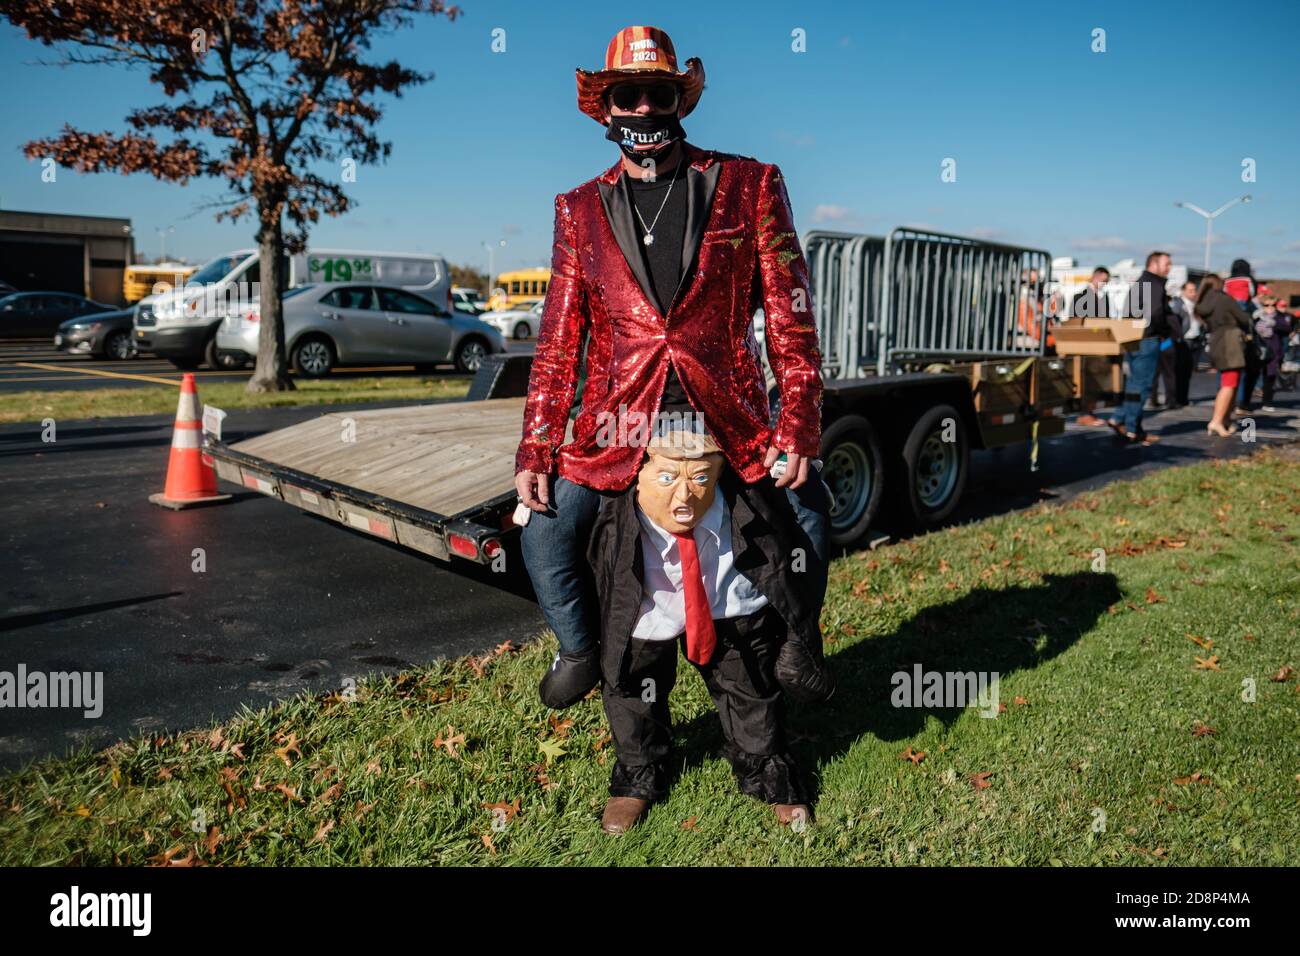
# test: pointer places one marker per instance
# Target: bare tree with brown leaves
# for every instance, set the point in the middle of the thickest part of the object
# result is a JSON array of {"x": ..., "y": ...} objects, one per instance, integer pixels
[{"x": 262, "y": 96}]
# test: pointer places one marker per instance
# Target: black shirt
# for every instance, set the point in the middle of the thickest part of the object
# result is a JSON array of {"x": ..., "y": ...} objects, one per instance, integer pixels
[{"x": 663, "y": 257}]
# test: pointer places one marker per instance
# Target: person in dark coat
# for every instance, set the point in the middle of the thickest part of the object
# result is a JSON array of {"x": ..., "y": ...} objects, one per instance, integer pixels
[
  {"x": 1187, "y": 347},
  {"x": 1272, "y": 325},
  {"x": 1242, "y": 288},
  {"x": 690, "y": 555},
  {"x": 1229, "y": 330},
  {"x": 1149, "y": 302}
]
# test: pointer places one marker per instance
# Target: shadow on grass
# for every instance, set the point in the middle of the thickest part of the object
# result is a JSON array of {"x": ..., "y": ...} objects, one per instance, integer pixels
[{"x": 1007, "y": 630}]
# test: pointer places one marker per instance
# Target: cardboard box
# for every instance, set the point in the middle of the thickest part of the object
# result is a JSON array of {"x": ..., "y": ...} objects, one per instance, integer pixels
[
  {"x": 1098, "y": 379},
  {"x": 1098, "y": 336}
]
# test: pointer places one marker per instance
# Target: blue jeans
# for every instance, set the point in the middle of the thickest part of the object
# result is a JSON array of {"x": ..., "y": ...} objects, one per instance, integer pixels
[
  {"x": 554, "y": 548},
  {"x": 1142, "y": 366}
]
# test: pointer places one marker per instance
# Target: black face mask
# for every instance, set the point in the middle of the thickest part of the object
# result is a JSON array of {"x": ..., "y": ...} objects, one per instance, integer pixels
[{"x": 654, "y": 133}]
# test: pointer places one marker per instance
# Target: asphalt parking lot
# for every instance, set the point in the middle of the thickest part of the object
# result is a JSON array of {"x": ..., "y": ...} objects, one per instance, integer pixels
[
  {"x": 94, "y": 578},
  {"x": 35, "y": 364}
]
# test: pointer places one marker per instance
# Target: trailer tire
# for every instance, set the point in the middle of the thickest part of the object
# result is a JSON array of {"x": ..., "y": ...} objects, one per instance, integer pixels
[
  {"x": 314, "y": 356},
  {"x": 853, "y": 469},
  {"x": 935, "y": 469}
]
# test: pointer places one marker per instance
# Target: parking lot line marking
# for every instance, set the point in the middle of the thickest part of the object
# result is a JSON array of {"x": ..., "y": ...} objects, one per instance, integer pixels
[
  {"x": 46, "y": 378},
  {"x": 95, "y": 371}
]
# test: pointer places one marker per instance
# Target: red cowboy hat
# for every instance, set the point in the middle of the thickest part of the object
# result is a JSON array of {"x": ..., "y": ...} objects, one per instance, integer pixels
[{"x": 638, "y": 53}]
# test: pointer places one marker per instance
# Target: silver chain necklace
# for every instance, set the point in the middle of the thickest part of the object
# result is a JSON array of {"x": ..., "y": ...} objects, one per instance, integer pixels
[{"x": 649, "y": 236}]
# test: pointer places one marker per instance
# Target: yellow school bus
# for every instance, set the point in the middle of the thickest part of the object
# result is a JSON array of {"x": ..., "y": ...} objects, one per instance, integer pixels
[
  {"x": 138, "y": 281},
  {"x": 519, "y": 289}
]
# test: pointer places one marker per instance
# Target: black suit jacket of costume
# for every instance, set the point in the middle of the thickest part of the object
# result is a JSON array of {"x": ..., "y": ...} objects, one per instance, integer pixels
[{"x": 764, "y": 534}]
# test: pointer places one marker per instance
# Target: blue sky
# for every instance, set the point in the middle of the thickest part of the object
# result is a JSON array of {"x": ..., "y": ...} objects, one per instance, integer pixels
[{"x": 1056, "y": 146}]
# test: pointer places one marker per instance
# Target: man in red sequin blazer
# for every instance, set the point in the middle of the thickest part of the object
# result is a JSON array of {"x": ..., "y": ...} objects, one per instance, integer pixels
[{"x": 658, "y": 267}]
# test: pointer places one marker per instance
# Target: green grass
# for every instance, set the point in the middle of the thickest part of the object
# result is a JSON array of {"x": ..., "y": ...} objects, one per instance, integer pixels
[
  {"x": 150, "y": 400},
  {"x": 1099, "y": 678}
]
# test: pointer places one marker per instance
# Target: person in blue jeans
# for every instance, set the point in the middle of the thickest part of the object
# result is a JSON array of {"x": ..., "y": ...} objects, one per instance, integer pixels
[
  {"x": 659, "y": 265},
  {"x": 1148, "y": 300}
]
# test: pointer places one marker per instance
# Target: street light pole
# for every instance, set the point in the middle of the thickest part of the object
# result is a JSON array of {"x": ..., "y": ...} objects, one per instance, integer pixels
[
  {"x": 1209, "y": 220},
  {"x": 491, "y": 251},
  {"x": 162, "y": 241}
]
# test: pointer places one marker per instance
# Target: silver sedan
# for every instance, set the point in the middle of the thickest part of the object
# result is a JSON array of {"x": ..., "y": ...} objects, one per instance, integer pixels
[{"x": 331, "y": 324}]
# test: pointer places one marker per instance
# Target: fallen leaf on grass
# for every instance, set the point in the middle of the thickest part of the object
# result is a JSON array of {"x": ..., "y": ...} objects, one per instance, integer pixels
[
  {"x": 1204, "y": 643},
  {"x": 450, "y": 742},
  {"x": 290, "y": 746},
  {"x": 372, "y": 767},
  {"x": 1207, "y": 664},
  {"x": 289, "y": 792},
  {"x": 228, "y": 775},
  {"x": 553, "y": 749},
  {"x": 509, "y": 809},
  {"x": 1153, "y": 597},
  {"x": 912, "y": 755},
  {"x": 168, "y": 858},
  {"x": 1021, "y": 701},
  {"x": 1283, "y": 675},
  {"x": 332, "y": 794},
  {"x": 1202, "y": 730},
  {"x": 214, "y": 837},
  {"x": 980, "y": 781},
  {"x": 487, "y": 842},
  {"x": 326, "y": 827},
  {"x": 560, "y": 727},
  {"x": 688, "y": 823},
  {"x": 1197, "y": 777}
]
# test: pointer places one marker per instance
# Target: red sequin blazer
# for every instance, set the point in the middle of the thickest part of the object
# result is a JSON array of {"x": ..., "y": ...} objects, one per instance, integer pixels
[{"x": 740, "y": 253}]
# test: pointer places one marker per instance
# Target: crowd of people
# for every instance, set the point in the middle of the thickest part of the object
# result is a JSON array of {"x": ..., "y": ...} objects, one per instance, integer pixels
[{"x": 1239, "y": 323}]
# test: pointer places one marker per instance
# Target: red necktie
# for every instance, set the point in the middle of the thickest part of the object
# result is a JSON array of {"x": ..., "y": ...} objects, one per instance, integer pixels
[{"x": 700, "y": 636}]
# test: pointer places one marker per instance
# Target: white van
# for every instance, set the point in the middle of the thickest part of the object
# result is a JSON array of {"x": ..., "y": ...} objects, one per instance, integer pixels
[{"x": 180, "y": 325}]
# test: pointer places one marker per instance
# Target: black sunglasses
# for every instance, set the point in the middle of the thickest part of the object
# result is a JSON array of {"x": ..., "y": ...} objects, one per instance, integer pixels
[{"x": 627, "y": 96}]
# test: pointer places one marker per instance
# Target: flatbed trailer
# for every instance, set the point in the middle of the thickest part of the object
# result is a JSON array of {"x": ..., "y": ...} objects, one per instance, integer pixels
[
  {"x": 435, "y": 478},
  {"x": 923, "y": 359}
]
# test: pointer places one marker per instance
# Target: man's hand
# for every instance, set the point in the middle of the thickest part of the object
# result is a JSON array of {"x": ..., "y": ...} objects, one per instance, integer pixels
[
  {"x": 796, "y": 467},
  {"x": 533, "y": 491}
]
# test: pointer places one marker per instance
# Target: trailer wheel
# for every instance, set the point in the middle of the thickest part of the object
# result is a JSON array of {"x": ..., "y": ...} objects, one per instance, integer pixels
[
  {"x": 936, "y": 459},
  {"x": 853, "y": 469}
]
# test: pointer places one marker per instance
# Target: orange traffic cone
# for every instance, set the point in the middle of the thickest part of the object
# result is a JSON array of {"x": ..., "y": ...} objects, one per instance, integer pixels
[{"x": 190, "y": 479}]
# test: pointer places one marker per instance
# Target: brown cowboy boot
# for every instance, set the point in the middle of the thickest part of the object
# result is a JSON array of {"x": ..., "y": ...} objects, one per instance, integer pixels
[
  {"x": 623, "y": 813},
  {"x": 787, "y": 813}
]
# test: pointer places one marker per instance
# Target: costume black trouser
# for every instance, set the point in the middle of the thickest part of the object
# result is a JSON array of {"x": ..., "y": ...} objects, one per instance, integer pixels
[{"x": 747, "y": 697}]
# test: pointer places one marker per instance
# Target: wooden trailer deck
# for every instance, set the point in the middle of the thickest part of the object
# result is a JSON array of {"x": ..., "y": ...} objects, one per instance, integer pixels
[{"x": 444, "y": 458}]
